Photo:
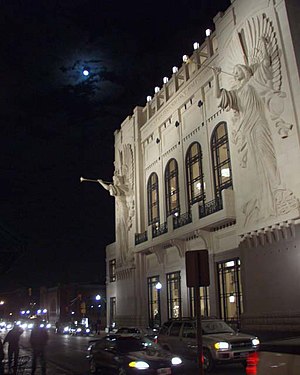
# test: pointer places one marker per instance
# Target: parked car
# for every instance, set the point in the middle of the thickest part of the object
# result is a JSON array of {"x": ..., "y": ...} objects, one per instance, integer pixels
[
  {"x": 280, "y": 357},
  {"x": 131, "y": 355},
  {"x": 221, "y": 344},
  {"x": 134, "y": 331}
]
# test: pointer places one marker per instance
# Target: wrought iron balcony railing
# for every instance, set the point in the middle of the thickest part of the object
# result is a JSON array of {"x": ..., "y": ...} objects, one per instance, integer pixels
[
  {"x": 141, "y": 237},
  {"x": 210, "y": 207},
  {"x": 158, "y": 230},
  {"x": 180, "y": 221}
]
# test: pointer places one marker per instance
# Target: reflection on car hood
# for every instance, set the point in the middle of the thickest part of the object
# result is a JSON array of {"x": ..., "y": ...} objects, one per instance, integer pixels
[
  {"x": 230, "y": 337},
  {"x": 149, "y": 355}
]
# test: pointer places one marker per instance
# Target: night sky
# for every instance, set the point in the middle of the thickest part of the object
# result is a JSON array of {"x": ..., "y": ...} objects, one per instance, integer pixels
[{"x": 57, "y": 125}]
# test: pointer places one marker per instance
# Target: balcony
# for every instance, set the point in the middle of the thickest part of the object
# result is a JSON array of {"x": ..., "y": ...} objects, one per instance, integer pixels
[
  {"x": 180, "y": 221},
  {"x": 141, "y": 237},
  {"x": 218, "y": 212},
  {"x": 208, "y": 208},
  {"x": 158, "y": 230},
  {"x": 213, "y": 215}
]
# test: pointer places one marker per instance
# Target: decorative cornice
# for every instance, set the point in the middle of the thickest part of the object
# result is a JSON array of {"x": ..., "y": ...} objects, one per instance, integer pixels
[{"x": 268, "y": 235}]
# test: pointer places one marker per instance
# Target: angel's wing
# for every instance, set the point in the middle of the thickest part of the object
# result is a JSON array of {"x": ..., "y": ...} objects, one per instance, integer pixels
[
  {"x": 245, "y": 47},
  {"x": 127, "y": 165},
  {"x": 255, "y": 28}
]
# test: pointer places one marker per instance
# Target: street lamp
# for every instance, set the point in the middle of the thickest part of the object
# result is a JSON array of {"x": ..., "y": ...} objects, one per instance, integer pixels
[{"x": 98, "y": 297}]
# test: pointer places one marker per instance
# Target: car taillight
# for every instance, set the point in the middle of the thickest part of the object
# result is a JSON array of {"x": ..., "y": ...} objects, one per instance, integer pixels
[{"x": 252, "y": 362}]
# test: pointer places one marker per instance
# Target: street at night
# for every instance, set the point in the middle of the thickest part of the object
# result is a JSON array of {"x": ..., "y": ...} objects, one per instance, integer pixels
[
  {"x": 66, "y": 355},
  {"x": 150, "y": 188}
]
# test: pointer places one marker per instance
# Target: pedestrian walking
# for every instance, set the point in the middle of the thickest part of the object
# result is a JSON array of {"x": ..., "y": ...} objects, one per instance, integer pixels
[
  {"x": 1, "y": 357},
  {"x": 38, "y": 341},
  {"x": 98, "y": 327},
  {"x": 13, "y": 338}
]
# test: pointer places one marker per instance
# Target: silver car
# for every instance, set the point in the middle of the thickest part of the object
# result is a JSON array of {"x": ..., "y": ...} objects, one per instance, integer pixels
[{"x": 221, "y": 344}]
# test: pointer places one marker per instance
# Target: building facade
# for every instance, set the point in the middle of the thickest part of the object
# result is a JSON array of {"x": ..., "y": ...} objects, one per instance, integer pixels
[{"x": 211, "y": 162}]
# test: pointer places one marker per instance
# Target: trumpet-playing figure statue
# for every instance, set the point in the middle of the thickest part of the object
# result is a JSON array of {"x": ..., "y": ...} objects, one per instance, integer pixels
[{"x": 122, "y": 189}]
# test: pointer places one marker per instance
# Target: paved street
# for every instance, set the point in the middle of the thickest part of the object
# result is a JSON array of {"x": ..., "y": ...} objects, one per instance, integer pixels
[{"x": 66, "y": 355}]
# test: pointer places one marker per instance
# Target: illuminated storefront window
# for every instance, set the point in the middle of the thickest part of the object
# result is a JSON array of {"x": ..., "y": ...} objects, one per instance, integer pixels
[
  {"x": 204, "y": 302},
  {"x": 154, "y": 301},
  {"x": 230, "y": 290},
  {"x": 112, "y": 311},
  {"x": 174, "y": 295}
]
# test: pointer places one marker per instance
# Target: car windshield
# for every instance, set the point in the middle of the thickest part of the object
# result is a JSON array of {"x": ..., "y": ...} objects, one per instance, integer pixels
[
  {"x": 128, "y": 330},
  {"x": 211, "y": 326},
  {"x": 133, "y": 344}
]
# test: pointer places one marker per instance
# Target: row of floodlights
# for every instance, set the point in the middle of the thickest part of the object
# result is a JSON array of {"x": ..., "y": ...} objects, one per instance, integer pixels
[
  {"x": 185, "y": 59},
  {"x": 39, "y": 312}
]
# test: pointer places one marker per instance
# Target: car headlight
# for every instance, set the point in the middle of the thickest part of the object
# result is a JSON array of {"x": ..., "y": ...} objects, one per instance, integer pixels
[
  {"x": 66, "y": 329},
  {"x": 87, "y": 330},
  {"x": 255, "y": 342},
  {"x": 176, "y": 361},
  {"x": 139, "y": 365},
  {"x": 222, "y": 345},
  {"x": 48, "y": 325}
]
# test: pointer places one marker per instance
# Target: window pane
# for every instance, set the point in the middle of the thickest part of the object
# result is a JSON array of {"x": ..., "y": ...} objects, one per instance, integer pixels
[
  {"x": 153, "y": 203},
  {"x": 172, "y": 188},
  {"x": 221, "y": 159},
  {"x": 174, "y": 295},
  {"x": 153, "y": 302},
  {"x": 230, "y": 290},
  {"x": 194, "y": 174}
]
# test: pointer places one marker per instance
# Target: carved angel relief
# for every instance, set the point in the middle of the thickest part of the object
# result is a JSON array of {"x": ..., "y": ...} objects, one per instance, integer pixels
[{"x": 256, "y": 100}]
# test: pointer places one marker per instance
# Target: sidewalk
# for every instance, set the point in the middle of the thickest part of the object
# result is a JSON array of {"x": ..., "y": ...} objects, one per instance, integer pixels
[{"x": 24, "y": 367}]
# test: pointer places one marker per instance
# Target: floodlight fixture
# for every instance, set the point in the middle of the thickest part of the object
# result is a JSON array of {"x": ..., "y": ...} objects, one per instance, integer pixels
[{"x": 208, "y": 32}]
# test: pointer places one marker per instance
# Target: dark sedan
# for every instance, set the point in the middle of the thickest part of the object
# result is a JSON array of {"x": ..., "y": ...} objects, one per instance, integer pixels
[{"x": 133, "y": 355}]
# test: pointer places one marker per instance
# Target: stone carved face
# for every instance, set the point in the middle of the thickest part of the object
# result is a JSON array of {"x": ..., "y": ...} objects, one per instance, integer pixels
[
  {"x": 242, "y": 73},
  {"x": 117, "y": 180},
  {"x": 238, "y": 73}
]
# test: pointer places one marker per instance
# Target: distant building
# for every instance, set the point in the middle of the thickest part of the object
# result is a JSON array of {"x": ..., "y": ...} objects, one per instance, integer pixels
[
  {"x": 211, "y": 162},
  {"x": 74, "y": 301}
]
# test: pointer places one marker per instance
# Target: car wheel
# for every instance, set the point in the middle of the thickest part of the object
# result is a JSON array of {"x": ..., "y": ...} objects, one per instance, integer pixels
[
  {"x": 93, "y": 367},
  {"x": 208, "y": 362}
]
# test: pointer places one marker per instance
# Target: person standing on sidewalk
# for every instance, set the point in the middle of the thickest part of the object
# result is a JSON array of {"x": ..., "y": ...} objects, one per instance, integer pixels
[
  {"x": 13, "y": 338},
  {"x": 1, "y": 357},
  {"x": 38, "y": 341}
]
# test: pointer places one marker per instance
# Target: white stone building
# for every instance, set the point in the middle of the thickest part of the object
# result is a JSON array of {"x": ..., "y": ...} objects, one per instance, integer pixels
[{"x": 204, "y": 168}]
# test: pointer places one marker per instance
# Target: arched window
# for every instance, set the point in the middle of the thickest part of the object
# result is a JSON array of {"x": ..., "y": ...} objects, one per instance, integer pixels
[
  {"x": 172, "y": 188},
  {"x": 153, "y": 199},
  {"x": 194, "y": 174},
  {"x": 221, "y": 159}
]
